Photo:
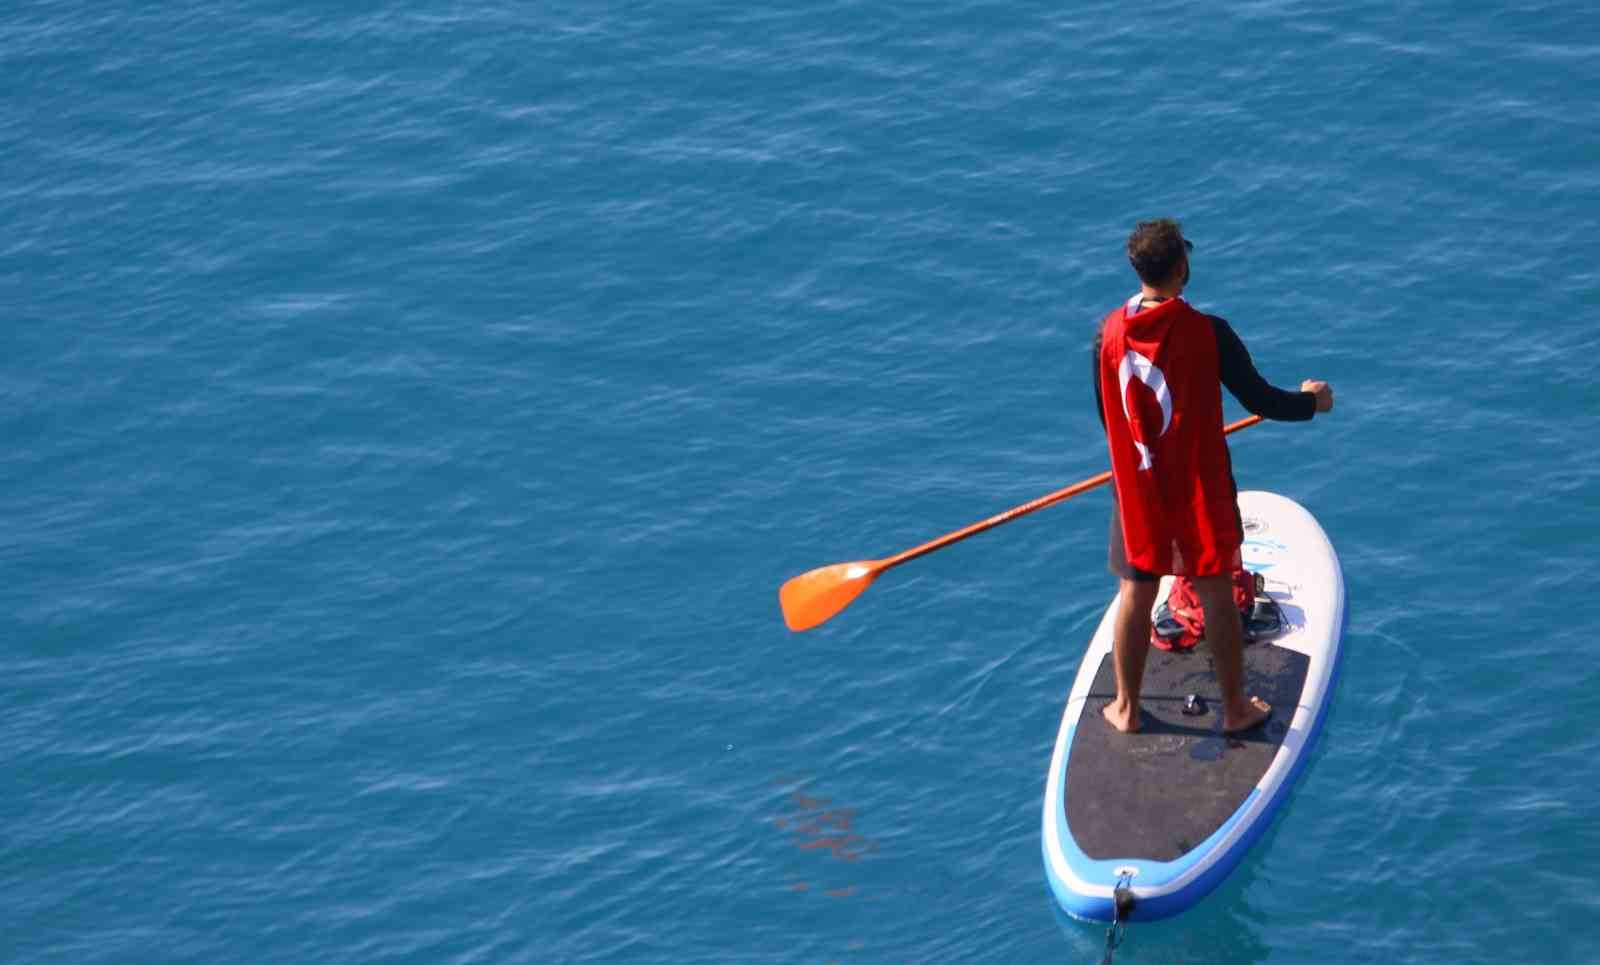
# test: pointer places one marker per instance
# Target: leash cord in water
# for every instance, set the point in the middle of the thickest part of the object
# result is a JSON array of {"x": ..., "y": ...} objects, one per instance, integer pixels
[{"x": 1121, "y": 904}]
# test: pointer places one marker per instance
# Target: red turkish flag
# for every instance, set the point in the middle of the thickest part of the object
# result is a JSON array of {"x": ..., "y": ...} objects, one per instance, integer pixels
[{"x": 1162, "y": 398}]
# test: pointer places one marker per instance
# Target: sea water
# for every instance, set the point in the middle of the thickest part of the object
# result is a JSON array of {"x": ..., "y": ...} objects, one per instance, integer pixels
[{"x": 411, "y": 410}]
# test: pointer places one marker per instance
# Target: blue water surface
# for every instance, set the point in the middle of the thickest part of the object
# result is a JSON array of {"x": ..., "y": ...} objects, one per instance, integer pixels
[{"x": 413, "y": 410}]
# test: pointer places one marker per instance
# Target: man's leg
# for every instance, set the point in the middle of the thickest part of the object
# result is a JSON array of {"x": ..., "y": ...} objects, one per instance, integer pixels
[
  {"x": 1226, "y": 636},
  {"x": 1130, "y": 644}
]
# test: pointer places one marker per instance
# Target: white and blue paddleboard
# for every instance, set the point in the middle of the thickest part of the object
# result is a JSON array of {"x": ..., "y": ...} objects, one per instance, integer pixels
[{"x": 1167, "y": 812}]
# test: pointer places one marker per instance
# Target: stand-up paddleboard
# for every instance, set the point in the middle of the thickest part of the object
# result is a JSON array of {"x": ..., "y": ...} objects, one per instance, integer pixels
[{"x": 1166, "y": 813}]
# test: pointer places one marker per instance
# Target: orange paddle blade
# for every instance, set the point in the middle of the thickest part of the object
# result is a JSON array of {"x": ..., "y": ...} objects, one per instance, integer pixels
[{"x": 812, "y": 598}]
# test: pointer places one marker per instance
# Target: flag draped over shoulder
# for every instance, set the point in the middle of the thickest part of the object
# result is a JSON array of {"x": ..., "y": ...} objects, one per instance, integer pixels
[{"x": 1162, "y": 399}]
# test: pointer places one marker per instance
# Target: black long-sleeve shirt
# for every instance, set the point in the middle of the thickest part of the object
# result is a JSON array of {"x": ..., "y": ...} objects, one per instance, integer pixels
[{"x": 1239, "y": 376}]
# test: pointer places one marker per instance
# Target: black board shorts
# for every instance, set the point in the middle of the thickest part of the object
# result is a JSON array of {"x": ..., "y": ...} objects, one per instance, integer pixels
[{"x": 1117, "y": 553}]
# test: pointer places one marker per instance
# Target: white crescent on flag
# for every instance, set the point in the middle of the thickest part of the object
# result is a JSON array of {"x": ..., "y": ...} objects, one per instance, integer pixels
[{"x": 1136, "y": 366}]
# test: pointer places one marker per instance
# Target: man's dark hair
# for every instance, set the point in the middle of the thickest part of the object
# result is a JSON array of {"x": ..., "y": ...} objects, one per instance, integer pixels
[{"x": 1156, "y": 249}]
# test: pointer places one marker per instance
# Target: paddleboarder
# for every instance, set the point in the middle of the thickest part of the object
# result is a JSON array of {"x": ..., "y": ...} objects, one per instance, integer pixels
[{"x": 1158, "y": 368}]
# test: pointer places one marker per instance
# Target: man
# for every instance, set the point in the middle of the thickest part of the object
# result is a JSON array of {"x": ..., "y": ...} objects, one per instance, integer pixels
[{"x": 1158, "y": 364}]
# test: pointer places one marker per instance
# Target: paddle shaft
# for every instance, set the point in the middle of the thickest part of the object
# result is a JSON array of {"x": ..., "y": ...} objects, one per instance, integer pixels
[{"x": 1050, "y": 499}]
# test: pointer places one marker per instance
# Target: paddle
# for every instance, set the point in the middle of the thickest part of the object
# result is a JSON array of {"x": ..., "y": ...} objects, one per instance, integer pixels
[{"x": 813, "y": 598}]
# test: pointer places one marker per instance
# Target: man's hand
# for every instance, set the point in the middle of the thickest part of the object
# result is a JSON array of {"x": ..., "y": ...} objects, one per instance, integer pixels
[{"x": 1321, "y": 391}]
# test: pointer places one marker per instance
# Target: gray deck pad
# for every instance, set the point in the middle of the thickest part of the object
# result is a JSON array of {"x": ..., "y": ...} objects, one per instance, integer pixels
[{"x": 1156, "y": 794}]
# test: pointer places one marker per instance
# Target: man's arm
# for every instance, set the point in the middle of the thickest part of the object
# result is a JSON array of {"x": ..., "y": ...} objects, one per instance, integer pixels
[
  {"x": 1255, "y": 393},
  {"x": 1094, "y": 377}
]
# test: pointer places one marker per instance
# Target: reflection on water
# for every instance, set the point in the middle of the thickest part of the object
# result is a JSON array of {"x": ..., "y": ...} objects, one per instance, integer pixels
[{"x": 816, "y": 824}]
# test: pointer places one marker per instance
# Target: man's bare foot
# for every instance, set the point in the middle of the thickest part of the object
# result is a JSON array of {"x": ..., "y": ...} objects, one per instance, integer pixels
[
  {"x": 1120, "y": 716},
  {"x": 1254, "y": 711}
]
